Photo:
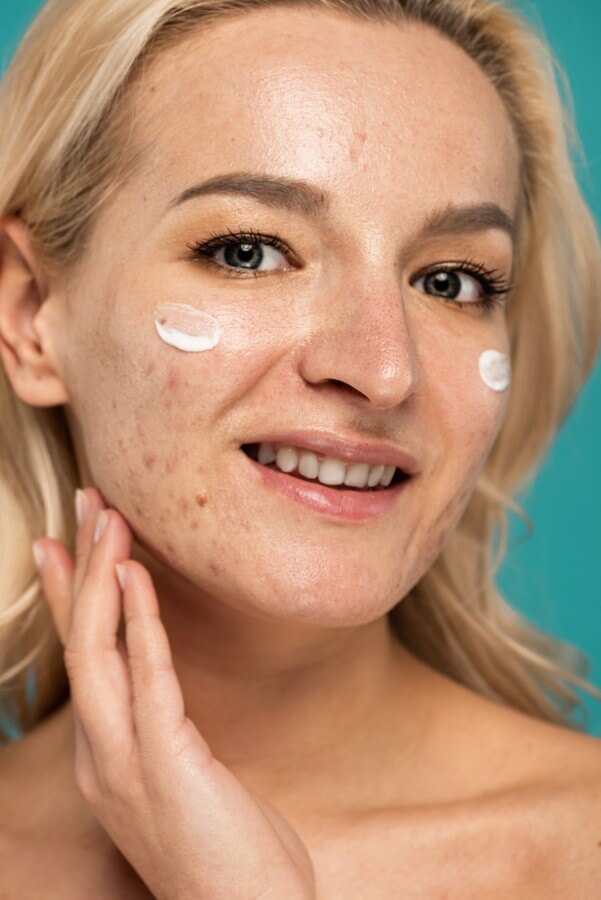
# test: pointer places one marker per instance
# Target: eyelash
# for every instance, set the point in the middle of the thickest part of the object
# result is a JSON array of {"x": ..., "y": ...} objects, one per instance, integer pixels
[{"x": 494, "y": 286}]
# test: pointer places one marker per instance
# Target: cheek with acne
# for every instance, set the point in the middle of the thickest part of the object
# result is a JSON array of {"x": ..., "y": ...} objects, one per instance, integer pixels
[{"x": 186, "y": 328}]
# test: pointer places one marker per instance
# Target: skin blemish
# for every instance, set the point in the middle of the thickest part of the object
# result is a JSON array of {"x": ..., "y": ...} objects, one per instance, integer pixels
[
  {"x": 149, "y": 460},
  {"x": 495, "y": 370},
  {"x": 185, "y": 327},
  {"x": 201, "y": 499}
]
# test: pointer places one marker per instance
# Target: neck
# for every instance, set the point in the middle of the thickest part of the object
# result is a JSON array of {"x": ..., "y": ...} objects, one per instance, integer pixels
[{"x": 291, "y": 709}]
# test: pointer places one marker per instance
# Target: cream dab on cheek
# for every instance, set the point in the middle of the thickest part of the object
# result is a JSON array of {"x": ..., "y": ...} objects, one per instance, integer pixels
[
  {"x": 186, "y": 327},
  {"x": 495, "y": 370}
]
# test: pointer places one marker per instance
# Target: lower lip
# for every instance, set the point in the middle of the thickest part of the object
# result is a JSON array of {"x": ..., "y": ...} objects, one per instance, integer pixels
[{"x": 349, "y": 504}]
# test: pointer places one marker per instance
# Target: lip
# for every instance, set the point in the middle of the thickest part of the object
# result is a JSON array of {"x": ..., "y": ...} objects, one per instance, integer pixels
[
  {"x": 329, "y": 444},
  {"x": 349, "y": 505}
]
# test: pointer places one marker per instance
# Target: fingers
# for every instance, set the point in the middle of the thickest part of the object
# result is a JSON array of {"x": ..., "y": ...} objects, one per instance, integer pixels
[
  {"x": 55, "y": 567},
  {"x": 157, "y": 701},
  {"x": 97, "y": 667}
]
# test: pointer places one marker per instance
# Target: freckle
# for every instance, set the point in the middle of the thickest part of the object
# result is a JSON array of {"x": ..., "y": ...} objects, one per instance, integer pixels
[
  {"x": 215, "y": 569},
  {"x": 199, "y": 469},
  {"x": 149, "y": 460},
  {"x": 194, "y": 524},
  {"x": 138, "y": 510},
  {"x": 170, "y": 547},
  {"x": 183, "y": 504},
  {"x": 201, "y": 499},
  {"x": 150, "y": 369},
  {"x": 121, "y": 444}
]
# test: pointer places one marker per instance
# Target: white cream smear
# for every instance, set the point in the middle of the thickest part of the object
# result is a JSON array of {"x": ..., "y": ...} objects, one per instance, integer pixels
[
  {"x": 186, "y": 327},
  {"x": 495, "y": 369}
]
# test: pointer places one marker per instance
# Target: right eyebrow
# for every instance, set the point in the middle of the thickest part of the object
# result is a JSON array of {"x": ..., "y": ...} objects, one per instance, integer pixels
[{"x": 300, "y": 196}]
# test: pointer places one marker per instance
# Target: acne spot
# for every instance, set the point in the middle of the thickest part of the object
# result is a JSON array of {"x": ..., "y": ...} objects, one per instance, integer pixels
[
  {"x": 172, "y": 380},
  {"x": 200, "y": 499},
  {"x": 149, "y": 460}
]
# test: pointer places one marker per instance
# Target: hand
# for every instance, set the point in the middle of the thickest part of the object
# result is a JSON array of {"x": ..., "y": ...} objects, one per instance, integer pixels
[{"x": 185, "y": 823}]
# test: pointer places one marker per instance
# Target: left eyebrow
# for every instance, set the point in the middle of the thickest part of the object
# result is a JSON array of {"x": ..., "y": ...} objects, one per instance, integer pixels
[
  {"x": 468, "y": 219},
  {"x": 292, "y": 194}
]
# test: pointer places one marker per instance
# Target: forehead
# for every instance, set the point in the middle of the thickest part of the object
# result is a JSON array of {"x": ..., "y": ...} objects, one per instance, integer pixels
[{"x": 365, "y": 110}]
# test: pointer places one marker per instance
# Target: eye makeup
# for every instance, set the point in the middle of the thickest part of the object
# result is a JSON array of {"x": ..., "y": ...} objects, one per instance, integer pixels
[
  {"x": 186, "y": 327},
  {"x": 495, "y": 370}
]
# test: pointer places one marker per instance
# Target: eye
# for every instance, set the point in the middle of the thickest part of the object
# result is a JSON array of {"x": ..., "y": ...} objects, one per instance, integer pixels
[
  {"x": 240, "y": 252},
  {"x": 450, "y": 283},
  {"x": 466, "y": 284}
]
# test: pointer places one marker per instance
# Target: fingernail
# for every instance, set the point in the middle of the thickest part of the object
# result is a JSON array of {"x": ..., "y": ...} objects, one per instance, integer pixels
[
  {"x": 101, "y": 522},
  {"x": 81, "y": 503},
  {"x": 38, "y": 555},
  {"x": 121, "y": 575}
]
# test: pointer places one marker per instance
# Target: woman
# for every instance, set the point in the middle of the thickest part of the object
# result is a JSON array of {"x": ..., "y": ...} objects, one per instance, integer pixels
[{"x": 297, "y": 295}]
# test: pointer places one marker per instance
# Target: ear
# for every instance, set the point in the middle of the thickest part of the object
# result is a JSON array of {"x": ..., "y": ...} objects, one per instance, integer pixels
[{"x": 25, "y": 322}]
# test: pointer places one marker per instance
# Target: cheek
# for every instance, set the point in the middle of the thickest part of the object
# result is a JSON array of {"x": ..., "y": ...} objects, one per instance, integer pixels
[{"x": 468, "y": 394}]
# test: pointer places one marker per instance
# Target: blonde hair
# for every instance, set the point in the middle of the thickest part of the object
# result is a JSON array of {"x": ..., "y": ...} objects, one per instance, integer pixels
[{"x": 63, "y": 132}]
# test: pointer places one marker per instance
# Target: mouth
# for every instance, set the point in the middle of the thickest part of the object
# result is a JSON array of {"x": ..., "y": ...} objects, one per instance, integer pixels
[{"x": 399, "y": 476}]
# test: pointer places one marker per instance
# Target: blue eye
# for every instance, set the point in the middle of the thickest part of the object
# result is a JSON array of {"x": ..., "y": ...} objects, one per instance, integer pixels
[
  {"x": 242, "y": 252},
  {"x": 483, "y": 288}
]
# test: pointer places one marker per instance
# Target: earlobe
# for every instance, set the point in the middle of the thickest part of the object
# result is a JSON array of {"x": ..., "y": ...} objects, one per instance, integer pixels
[{"x": 24, "y": 345}]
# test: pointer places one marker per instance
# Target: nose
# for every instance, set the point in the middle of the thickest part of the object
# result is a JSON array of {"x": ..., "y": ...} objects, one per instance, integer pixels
[{"x": 364, "y": 343}]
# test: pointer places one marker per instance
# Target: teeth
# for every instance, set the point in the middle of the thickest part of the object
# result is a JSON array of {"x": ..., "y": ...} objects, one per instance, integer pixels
[
  {"x": 331, "y": 471},
  {"x": 356, "y": 475},
  {"x": 326, "y": 470},
  {"x": 375, "y": 475},
  {"x": 266, "y": 454},
  {"x": 308, "y": 464},
  {"x": 286, "y": 459},
  {"x": 388, "y": 475}
]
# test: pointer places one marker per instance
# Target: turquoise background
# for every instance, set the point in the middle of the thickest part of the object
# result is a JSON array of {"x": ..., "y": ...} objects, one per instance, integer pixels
[{"x": 551, "y": 576}]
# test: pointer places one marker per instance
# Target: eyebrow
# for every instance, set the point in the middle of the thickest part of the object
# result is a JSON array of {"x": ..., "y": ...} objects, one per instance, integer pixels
[
  {"x": 284, "y": 193},
  {"x": 299, "y": 196}
]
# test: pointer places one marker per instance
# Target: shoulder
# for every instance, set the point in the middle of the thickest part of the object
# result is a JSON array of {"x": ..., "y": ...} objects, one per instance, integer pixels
[
  {"x": 549, "y": 793},
  {"x": 566, "y": 813},
  {"x": 534, "y": 789}
]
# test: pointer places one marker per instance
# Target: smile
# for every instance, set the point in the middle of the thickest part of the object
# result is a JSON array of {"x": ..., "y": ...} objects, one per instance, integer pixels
[{"x": 339, "y": 500}]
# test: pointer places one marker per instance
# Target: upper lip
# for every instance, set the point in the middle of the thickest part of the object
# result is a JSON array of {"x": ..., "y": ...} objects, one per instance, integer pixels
[{"x": 335, "y": 445}]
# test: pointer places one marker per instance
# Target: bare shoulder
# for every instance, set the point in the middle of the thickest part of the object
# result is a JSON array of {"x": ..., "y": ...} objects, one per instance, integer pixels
[
  {"x": 548, "y": 790},
  {"x": 566, "y": 810},
  {"x": 529, "y": 794}
]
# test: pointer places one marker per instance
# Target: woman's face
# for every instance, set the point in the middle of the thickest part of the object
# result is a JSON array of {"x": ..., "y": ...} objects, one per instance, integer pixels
[{"x": 339, "y": 332}]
